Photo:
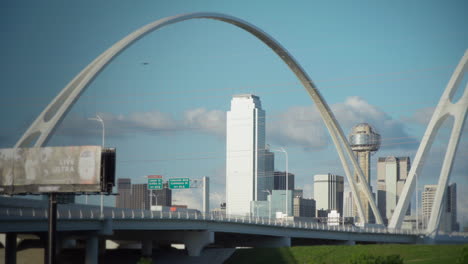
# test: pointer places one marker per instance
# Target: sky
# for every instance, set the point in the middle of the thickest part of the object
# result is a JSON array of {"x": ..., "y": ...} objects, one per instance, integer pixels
[{"x": 164, "y": 99}]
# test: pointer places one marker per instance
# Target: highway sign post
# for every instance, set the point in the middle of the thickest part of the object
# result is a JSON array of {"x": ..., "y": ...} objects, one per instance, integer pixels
[
  {"x": 179, "y": 183},
  {"x": 155, "y": 182}
]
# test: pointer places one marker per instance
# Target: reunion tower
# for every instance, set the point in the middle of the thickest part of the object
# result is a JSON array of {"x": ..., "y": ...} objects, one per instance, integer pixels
[{"x": 363, "y": 141}]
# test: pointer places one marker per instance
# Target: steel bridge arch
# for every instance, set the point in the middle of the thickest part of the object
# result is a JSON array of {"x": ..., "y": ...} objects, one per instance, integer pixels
[
  {"x": 42, "y": 128},
  {"x": 445, "y": 108}
]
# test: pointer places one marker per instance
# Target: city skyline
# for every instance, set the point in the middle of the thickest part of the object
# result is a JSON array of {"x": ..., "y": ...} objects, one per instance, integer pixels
[{"x": 171, "y": 124}]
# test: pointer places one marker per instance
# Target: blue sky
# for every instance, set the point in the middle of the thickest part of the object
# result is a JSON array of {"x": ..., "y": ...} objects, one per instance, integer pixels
[{"x": 164, "y": 99}]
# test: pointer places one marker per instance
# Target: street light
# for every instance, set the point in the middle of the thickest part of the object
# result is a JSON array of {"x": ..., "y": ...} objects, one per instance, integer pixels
[
  {"x": 417, "y": 204},
  {"x": 99, "y": 119},
  {"x": 155, "y": 196},
  {"x": 281, "y": 149}
]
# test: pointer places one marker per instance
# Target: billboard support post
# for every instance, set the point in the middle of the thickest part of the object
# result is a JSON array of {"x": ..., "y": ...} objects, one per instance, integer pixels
[{"x": 52, "y": 230}]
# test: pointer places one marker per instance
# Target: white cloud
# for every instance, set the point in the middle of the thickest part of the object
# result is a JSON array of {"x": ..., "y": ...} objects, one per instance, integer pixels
[
  {"x": 190, "y": 197},
  {"x": 421, "y": 116},
  {"x": 213, "y": 121},
  {"x": 298, "y": 126},
  {"x": 200, "y": 119},
  {"x": 147, "y": 120},
  {"x": 303, "y": 126}
]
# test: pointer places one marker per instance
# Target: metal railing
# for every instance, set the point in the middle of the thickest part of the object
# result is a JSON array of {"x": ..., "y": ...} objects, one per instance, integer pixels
[{"x": 93, "y": 213}]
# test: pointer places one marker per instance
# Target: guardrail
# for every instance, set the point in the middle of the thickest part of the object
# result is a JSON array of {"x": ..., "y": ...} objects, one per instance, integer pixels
[{"x": 135, "y": 214}]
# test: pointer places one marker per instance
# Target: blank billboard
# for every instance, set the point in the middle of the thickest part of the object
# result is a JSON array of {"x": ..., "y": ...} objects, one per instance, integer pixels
[{"x": 50, "y": 169}]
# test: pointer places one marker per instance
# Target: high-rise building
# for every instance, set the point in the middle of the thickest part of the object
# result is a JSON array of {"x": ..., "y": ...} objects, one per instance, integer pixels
[
  {"x": 348, "y": 205},
  {"x": 451, "y": 208},
  {"x": 364, "y": 140},
  {"x": 269, "y": 170},
  {"x": 245, "y": 154},
  {"x": 303, "y": 207},
  {"x": 391, "y": 177},
  {"x": 124, "y": 189},
  {"x": 427, "y": 200},
  {"x": 328, "y": 192},
  {"x": 448, "y": 218},
  {"x": 279, "y": 182},
  {"x": 140, "y": 197},
  {"x": 162, "y": 197},
  {"x": 280, "y": 200}
]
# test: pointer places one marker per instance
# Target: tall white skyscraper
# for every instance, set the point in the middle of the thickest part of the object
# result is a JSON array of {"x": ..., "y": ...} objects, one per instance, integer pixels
[
  {"x": 391, "y": 177},
  {"x": 328, "y": 192},
  {"x": 245, "y": 154}
]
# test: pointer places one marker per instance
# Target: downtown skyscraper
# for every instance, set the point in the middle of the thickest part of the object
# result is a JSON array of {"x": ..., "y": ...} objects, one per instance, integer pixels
[
  {"x": 448, "y": 218},
  {"x": 328, "y": 192},
  {"x": 391, "y": 177},
  {"x": 245, "y": 154}
]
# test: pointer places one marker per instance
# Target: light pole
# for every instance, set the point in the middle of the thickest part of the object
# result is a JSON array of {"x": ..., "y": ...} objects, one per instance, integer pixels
[
  {"x": 99, "y": 119},
  {"x": 417, "y": 204},
  {"x": 269, "y": 203},
  {"x": 281, "y": 149},
  {"x": 155, "y": 196}
]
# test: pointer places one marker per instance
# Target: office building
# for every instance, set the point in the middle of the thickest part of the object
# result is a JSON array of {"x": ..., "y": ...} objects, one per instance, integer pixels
[
  {"x": 245, "y": 154},
  {"x": 278, "y": 202},
  {"x": 140, "y": 197},
  {"x": 448, "y": 218},
  {"x": 303, "y": 207},
  {"x": 162, "y": 197},
  {"x": 391, "y": 177},
  {"x": 280, "y": 181},
  {"x": 274, "y": 205},
  {"x": 124, "y": 189},
  {"x": 451, "y": 209},
  {"x": 363, "y": 141},
  {"x": 269, "y": 170},
  {"x": 427, "y": 200},
  {"x": 328, "y": 192},
  {"x": 348, "y": 205}
]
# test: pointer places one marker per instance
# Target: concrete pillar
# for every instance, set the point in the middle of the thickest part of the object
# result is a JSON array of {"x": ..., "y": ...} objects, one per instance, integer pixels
[
  {"x": 10, "y": 248},
  {"x": 102, "y": 246},
  {"x": 147, "y": 248},
  {"x": 195, "y": 241},
  {"x": 92, "y": 249}
]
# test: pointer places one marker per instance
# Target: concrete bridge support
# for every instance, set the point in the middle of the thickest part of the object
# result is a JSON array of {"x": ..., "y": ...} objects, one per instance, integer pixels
[
  {"x": 92, "y": 250},
  {"x": 195, "y": 241},
  {"x": 147, "y": 248},
  {"x": 10, "y": 248}
]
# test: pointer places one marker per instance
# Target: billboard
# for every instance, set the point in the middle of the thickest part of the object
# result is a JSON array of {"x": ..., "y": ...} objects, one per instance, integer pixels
[{"x": 51, "y": 169}]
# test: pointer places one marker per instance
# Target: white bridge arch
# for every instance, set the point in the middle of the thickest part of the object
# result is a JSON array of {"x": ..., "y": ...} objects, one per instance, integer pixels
[{"x": 42, "y": 128}]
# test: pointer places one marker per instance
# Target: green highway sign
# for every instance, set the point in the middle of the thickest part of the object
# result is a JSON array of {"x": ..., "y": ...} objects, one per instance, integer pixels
[
  {"x": 179, "y": 183},
  {"x": 155, "y": 183}
]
